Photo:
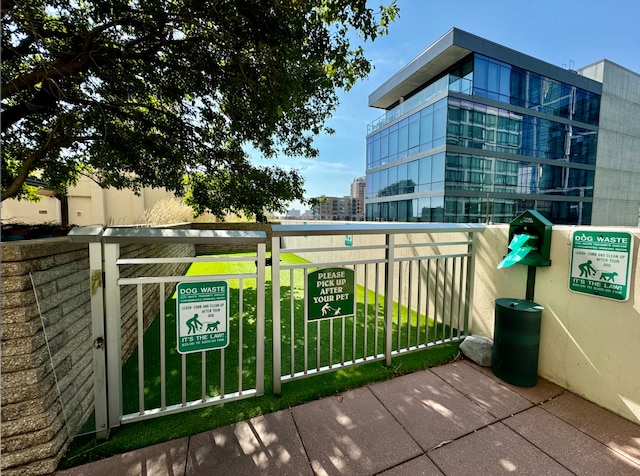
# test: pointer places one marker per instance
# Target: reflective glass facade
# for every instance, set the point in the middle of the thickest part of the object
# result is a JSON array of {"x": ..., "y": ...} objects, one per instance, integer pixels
[{"x": 485, "y": 141}]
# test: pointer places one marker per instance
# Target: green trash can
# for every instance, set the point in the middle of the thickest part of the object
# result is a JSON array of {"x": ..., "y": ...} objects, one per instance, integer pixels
[{"x": 516, "y": 341}]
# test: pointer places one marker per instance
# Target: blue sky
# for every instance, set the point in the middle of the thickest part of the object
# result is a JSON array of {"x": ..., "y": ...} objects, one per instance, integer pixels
[{"x": 569, "y": 33}]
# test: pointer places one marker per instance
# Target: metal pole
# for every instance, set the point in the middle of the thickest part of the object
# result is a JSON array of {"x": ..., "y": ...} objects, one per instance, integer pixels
[
  {"x": 388, "y": 299},
  {"x": 531, "y": 282},
  {"x": 275, "y": 302}
]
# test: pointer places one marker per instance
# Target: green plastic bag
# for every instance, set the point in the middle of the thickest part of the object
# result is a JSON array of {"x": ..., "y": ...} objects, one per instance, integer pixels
[{"x": 519, "y": 249}]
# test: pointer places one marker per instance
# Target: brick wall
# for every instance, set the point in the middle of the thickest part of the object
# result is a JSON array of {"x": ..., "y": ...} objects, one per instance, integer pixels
[{"x": 34, "y": 432}]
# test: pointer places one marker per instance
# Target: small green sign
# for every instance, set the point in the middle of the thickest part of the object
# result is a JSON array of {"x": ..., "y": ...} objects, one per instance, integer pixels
[
  {"x": 348, "y": 240},
  {"x": 601, "y": 263},
  {"x": 330, "y": 293},
  {"x": 202, "y": 316}
]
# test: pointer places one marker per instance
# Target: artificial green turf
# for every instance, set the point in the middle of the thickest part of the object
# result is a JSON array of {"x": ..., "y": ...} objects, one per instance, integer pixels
[{"x": 141, "y": 434}]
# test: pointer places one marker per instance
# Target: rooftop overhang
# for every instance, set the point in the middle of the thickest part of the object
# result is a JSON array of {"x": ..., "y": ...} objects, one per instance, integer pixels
[{"x": 452, "y": 47}]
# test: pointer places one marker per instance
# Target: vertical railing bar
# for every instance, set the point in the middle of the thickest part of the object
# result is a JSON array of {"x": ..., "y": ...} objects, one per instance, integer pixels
[
  {"x": 354, "y": 313},
  {"x": 184, "y": 379},
  {"x": 240, "y": 332},
  {"x": 460, "y": 294},
  {"x": 260, "y": 317},
  {"x": 365, "y": 351},
  {"x": 222, "y": 389},
  {"x": 113, "y": 330},
  {"x": 388, "y": 297},
  {"x": 163, "y": 350},
  {"x": 343, "y": 338},
  {"x": 427, "y": 301},
  {"x": 292, "y": 320},
  {"x": 318, "y": 344},
  {"x": 330, "y": 343},
  {"x": 419, "y": 303},
  {"x": 409, "y": 302},
  {"x": 275, "y": 307},
  {"x": 452, "y": 298},
  {"x": 306, "y": 325},
  {"x": 444, "y": 298},
  {"x": 376, "y": 310},
  {"x": 140, "y": 306},
  {"x": 435, "y": 301},
  {"x": 98, "y": 337},
  {"x": 399, "y": 314},
  {"x": 203, "y": 376}
]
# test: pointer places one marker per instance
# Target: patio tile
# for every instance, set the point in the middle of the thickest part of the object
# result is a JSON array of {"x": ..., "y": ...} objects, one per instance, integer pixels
[
  {"x": 420, "y": 466},
  {"x": 431, "y": 410},
  {"x": 571, "y": 447},
  {"x": 352, "y": 434},
  {"x": 494, "y": 450},
  {"x": 610, "y": 429},
  {"x": 267, "y": 444},
  {"x": 541, "y": 392},
  {"x": 495, "y": 398},
  {"x": 163, "y": 458}
]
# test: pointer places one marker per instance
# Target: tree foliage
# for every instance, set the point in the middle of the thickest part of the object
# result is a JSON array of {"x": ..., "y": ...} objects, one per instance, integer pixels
[{"x": 168, "y": 93}]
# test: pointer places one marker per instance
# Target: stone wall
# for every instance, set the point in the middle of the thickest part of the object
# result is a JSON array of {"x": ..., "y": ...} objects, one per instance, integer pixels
[
  {"x": 39, "y": 416},
  {"x": 34, "y": 432}
]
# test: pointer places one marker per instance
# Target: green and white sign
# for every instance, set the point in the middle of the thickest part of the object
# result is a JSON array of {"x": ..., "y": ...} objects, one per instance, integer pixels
[
  {"x": 202, "y": 316},
  {"x": 330, "y": 293},
  {"x": 601, "y": 263}
]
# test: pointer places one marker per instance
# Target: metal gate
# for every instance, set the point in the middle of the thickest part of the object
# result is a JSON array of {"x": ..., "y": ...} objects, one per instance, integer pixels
[{"x": 137, "y": 325}]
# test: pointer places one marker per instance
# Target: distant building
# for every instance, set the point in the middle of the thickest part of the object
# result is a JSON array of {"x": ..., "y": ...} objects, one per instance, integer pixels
[
  {"x": 347, "y": 208},
  {"x": 293, "y": 214},
  {"x": 475, "y": 132}
]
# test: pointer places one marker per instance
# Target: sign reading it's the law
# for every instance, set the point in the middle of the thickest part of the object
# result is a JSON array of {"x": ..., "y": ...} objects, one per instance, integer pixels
[
  {"x": 202, "y": 316},
  {"x": 601, "y": 263},
  {"x": 330, "y": 293}
]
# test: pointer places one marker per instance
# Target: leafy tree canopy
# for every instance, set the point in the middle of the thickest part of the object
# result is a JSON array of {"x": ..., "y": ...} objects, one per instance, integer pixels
[{"x": 165, "y": 93}]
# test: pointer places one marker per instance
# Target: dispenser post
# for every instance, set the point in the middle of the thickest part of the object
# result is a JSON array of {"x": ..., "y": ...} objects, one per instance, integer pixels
[{"x": 531, "y": 282}]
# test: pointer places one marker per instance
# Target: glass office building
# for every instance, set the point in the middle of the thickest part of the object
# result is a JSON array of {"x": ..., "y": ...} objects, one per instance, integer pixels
[{"x": 476, "y": 132}]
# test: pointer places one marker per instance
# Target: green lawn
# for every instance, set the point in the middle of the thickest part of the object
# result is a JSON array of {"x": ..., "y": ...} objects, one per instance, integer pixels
[{"x": 141, "y": 434}]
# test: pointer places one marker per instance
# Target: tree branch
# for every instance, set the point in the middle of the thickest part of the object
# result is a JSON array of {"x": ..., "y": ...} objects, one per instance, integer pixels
[{"x": 30, "y": 164}]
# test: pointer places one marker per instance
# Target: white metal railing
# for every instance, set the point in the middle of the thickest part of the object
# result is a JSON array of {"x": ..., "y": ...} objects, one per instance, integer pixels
[
  {"x": 413, "y": 290},
  {"x": 225, "y": 374}
]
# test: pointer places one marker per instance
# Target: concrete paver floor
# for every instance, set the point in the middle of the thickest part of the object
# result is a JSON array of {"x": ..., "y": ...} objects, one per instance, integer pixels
[{"x": 455, "y": 419}]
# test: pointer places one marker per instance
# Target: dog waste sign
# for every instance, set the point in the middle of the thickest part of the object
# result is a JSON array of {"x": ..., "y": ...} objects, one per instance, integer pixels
[
  {"x": 202, "y": 316},
  {"x": 329, "y": 293},
  {"x": 601, "y": 263}
]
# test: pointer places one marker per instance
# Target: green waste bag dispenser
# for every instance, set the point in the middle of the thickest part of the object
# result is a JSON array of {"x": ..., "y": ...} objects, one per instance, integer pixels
[
  {"x": 529, "y": 241},
  {"x": 517, "y": 322}
]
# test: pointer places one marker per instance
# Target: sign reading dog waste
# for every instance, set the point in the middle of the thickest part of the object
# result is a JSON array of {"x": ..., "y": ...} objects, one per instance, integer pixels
[
  {"x": 601, "y": 263},
  {"x": 202, "y": 316},
  {"x": 330, "y": 293}
]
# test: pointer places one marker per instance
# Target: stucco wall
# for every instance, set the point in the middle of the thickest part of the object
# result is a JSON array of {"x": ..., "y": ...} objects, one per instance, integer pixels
[{"x": 588, "y": 345}]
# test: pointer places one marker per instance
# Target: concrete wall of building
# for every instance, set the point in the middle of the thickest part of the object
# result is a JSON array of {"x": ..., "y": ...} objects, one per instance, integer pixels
[
  {"x": 88, "y": 205},
  {"x": 616, "y": 199}
]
